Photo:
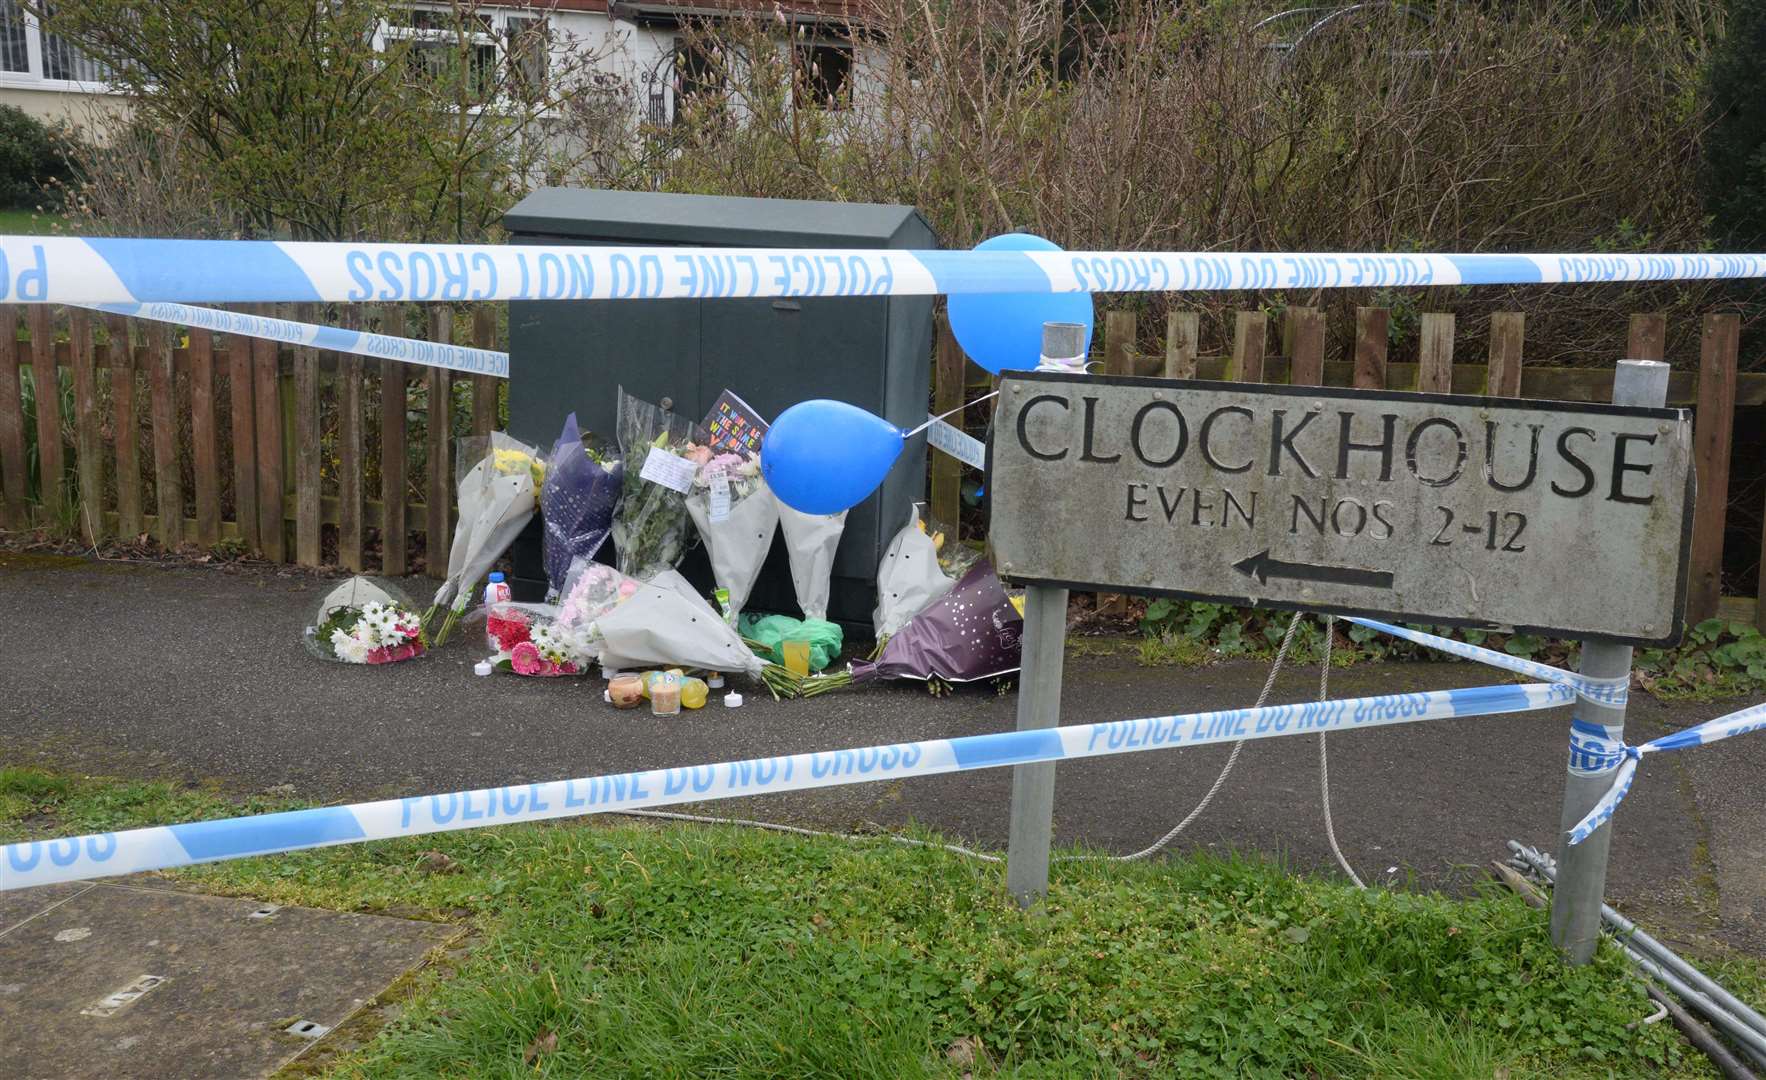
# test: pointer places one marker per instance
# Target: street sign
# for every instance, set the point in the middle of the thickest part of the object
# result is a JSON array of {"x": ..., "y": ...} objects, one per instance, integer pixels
[{"x": 1561, "y": 518}]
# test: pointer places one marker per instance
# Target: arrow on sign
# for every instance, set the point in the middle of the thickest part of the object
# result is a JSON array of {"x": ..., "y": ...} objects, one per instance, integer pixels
[{"x": 1261, "y": 567}]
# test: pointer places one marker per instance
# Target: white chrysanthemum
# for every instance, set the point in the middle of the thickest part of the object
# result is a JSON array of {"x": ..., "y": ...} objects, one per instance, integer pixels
[{"x": 349, "y": 649}]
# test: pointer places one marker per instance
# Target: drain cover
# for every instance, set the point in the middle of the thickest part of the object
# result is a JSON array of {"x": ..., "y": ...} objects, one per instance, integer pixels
[
  {"x": 111, "y": 1004},
  {"x": 306, "y": 1029}
]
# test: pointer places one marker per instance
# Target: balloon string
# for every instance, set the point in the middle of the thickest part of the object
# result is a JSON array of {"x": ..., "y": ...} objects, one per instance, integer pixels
[{"x": 953, "y": 412}]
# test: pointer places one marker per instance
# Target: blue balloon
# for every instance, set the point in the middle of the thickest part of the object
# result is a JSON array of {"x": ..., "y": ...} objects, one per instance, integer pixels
[
  {"x": 822, "y": 457},
  {"x": 1003, "y": 331}
]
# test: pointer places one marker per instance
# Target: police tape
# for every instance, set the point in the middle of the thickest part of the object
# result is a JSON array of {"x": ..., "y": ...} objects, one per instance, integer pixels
[
  {"x": 102, "y": 270},
  {"x": 78, "y": 858},
  {"x": 1613, "y": 691},
  {"x": 1740, "y": 722},
  {"x": 359, "y": 342}
]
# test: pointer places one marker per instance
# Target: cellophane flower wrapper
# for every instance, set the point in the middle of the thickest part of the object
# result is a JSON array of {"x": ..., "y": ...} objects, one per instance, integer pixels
[
  {"x": 577, "y": 502},
  {"x": 972, "y": 632},
  {"x": 909, "y": 577},
  {"x": 651, "y": 529},
  {"x": 810, "y": 540},
  {"x": 658, "y": 626},
  {"x": 738, "y": 543},
  {"x": 365, "y": 621},
  {"x": 498, "y": 492},
  {"x": 533, "y": 640}
]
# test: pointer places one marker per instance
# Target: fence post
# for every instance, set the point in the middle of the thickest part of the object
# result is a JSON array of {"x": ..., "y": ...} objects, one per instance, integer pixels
[
  {"x": 1250, "y": 329},
  {"x": 1182, "y": 337},
  {"x": 1039, "y": 703},
  {"x": 349, "y": 451},
  {"x": 1713, "y": 427},
  {"x": 47, "y": 385},
  {"x": 88, "y": 443},
  {"x": 947, "y": 393},
  {"x": 1599, "y": 728},
  {"x": 1306, "y": 332},
  {"x": 1434, "y": 372},
  {"x": 16, "y": 485},
  {"x": 1371, "y": 332},
  {"x": 1508, "y": 332}
]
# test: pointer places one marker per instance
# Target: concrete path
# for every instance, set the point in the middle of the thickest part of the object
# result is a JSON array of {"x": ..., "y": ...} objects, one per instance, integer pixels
[{"x": 199, "y": 674}]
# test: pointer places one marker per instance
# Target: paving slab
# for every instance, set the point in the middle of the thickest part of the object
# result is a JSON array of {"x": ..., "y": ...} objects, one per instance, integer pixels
[{"x": 124, "y": 981}]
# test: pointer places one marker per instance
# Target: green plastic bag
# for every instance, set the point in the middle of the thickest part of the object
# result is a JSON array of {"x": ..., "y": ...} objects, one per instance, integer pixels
[{"x": 824, "y": 638}]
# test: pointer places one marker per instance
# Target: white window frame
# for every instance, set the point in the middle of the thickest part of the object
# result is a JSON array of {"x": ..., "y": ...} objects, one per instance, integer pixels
[
  {"x": 34, "y": 79},
  {"x": 496, "y": 36}
]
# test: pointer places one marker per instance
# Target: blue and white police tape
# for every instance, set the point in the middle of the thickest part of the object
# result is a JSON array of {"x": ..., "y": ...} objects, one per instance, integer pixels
[
  {"x": 359, "y": 342},
  {"x": 1612, "y": 691},
  {"x": 1740, "y": 722},
  {"x": 105, "y": 270},
  {"x": 77, "y": 858}
]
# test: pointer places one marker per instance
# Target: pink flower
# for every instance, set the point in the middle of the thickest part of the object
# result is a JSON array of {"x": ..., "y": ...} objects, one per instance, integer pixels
[
  {"x": 525, "y": 659},
  {"x": 627, "y": 588},
  {"x": 698, "y": 455}
]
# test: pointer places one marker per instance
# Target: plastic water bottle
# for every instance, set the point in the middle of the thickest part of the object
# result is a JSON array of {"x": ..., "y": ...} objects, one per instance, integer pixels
[{"x": 496, "y": 592}]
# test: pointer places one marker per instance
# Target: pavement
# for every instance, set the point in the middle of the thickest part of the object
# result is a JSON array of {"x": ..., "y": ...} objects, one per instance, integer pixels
[{"x": 198, "y": 674}]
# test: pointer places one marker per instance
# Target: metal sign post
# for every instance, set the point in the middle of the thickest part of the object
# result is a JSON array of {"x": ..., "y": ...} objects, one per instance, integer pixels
[
  {"x": 1039, "y": 698},
  {"x": 1597, "y": 731}
]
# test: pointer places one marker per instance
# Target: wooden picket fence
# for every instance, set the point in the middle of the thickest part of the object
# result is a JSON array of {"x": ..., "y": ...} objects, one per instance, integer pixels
[
  {"x": 1715, "y": 390},
  {"x": 304, "y": 456},
  {"x": 293, "y": 454}
]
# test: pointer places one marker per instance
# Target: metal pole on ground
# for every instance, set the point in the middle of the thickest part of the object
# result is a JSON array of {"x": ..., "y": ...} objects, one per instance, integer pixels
[
  {"x": 1039, "y": 700},
  {"x": 1596, "y": 732}
]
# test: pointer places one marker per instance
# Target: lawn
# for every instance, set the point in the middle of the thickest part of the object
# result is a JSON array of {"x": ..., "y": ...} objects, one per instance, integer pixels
[
  {"x": 30, "y": 223},
  {"x": 631, "y": 950}
]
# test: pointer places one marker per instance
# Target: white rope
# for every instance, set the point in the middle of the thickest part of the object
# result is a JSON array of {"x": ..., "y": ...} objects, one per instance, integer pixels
[
  {"x": 1324, "y": 761},
  {"x": 1158, "y": 845},
  {"x": 1232, "y": 759}
]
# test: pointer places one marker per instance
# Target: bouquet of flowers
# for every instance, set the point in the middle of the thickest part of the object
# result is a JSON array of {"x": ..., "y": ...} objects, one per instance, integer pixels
[
  {"x": 736, "y": 515},
  {"x": 972, "y": 632},
  {"x": 662, "y": 623},
  {"x": 810, "y": 540},
  {"x": 534, "y": 639},
  {"x": 661, "y": 453},
  {"x": 577, "y": 501},
  {"x": 498, "y": 482},
  {"x": 919, "y": 566},
  {"x": 361, "y": 622}
]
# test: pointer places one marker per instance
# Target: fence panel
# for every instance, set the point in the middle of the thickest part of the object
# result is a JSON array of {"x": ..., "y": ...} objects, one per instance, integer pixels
[
  {"x": 1372, "y": 335},
  {"x": 205, "y": 460},
  {"x": 88, "y": 439},
  {"x": 350, "y": 461},
  {"x": 121, "y": 354},
  {"x": 46, "y": 387},
  {"x": 1508, "y": 331}
]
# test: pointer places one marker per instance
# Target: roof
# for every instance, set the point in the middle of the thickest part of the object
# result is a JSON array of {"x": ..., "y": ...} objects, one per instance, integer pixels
[
  {"x": 646, "y": 217},
  {"x": 814, "y": 10}
]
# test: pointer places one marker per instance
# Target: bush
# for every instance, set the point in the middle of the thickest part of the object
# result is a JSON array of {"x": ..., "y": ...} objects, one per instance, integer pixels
[
  {"x": 1735, "y": 150},
  {"x": 33, "y": 160}
]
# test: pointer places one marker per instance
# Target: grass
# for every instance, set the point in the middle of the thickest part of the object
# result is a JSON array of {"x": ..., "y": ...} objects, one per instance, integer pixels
[
  {"x": 21, "y": 222},
  {"x": 630, "y": 951}
]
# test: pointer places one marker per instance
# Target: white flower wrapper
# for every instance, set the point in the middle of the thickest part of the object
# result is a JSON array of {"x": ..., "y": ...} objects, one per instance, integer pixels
[
  {"x": 738, "y": 544},
  {"x": 659, "y": 627},
  {"x": 908, "y": 579},
  {"x": 810, "y": 540},
  {"x": 494, "y": 507}
]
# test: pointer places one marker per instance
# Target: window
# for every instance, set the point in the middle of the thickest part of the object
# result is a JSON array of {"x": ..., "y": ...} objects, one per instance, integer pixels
[
  {"x": 527, "y": 45},
  {"x": 699, "y": 75},
  {"x": 30, "y": 51},
  {"x": 438, "y": 44},
  {"x": 824, "y": 76},
  {"x": 61, "y": 60},
  {"x": 14, "y": 52}
]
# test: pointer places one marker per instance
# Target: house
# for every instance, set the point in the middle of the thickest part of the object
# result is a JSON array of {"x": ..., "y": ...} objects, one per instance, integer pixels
[{"x": 641, "y": 58}]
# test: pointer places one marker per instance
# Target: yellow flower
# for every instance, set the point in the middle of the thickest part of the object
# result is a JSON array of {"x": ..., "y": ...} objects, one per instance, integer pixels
[{"x": 510, "y": 462}]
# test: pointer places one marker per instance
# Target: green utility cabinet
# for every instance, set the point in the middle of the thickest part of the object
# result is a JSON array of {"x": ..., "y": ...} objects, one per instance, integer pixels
[{"x": 873, "y": 352}]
